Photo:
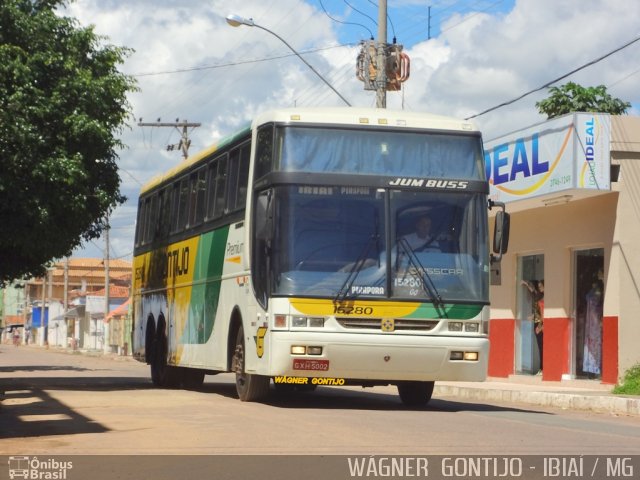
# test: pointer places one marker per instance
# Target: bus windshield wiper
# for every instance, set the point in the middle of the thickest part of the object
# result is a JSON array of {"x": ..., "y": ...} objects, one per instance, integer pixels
[
  {"x": 357, "y": 267},
  {"x": 427, "y": 283}
]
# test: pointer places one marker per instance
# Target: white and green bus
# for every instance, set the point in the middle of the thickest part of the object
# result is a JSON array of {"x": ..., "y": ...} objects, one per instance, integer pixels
[{"x": 288, "y": 252}]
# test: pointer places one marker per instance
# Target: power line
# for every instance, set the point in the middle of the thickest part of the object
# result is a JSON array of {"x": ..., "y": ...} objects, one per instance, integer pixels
[
  {"x": 344, "y": 23},
  {"x": 592, "y": 62},
  {"x": 361, "y": 12},
  {"x": 234, "y": 64},
  {"x": 635, "y": 72},
  {"x": 471, "y": 16}
]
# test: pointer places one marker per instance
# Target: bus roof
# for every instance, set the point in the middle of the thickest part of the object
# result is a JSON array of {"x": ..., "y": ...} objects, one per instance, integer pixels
[
  {"x": 195, "y": 158},
  {"x": 365, "y": 116},
  {"x": 373, "y": 117}
]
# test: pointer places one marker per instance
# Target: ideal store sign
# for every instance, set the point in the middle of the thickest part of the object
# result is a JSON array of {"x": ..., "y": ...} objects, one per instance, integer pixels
[{"x": 569, "y": 152}]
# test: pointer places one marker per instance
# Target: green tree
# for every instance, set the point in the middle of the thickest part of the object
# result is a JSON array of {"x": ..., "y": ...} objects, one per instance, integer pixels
[
  {"x": 63, "y": 104},
  {"x": 572, "y": 97}
]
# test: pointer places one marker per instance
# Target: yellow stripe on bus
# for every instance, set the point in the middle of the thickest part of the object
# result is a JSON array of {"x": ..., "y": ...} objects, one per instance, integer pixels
[{"x": 355, "y": 308}]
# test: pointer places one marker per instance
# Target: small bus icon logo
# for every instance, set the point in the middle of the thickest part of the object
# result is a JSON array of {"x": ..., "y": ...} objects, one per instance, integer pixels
[{"x": 18, "y": 467}]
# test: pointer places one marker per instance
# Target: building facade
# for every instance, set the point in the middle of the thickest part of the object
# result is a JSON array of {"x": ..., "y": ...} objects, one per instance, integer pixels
[
  {"x": 572, "y": 186},
  {"x": 69, "y": 301}
]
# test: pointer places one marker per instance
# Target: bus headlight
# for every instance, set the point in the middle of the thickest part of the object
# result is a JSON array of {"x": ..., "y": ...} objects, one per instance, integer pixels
[
  {"x": 299, "y": 322},
  {"x": 455, "y": 326},
  {"x": 303, "y": 322},
  {"x": 316, "y": 322},
  {"x": 472, "y": 327}
]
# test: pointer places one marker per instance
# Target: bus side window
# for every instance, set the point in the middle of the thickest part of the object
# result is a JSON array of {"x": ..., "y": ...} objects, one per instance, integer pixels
[
  {"x": 191, "y": 209},
  {"x": 264, "y": 151},
  {"x": 157, "y": 223},
  {"x": 151, "y": 209},
  {"x": 164, "y": 219},
  {"x": 140, "y": 222},
  {"x": 212, "y": 168},
  {"x": 201, "y": 190},
  {"x": 175, "y": 200},
  {"x": 232, "y": 179},
  {"x": 221, "y": 183},
  {"x": 243, "y": 176},
  {"x": 183, "y": 204}
]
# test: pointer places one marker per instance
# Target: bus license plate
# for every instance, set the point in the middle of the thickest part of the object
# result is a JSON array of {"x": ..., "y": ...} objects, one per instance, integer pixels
[{"x": 306, "y": 364}]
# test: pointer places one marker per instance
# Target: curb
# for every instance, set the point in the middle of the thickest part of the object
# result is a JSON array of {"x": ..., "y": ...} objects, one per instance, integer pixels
[{"x": 594, "y": 402}]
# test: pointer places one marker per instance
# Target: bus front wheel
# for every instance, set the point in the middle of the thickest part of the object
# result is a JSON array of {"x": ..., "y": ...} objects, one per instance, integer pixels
[
  {"x": 250, "y": 387},
  {"x": 415, "y": 394}
]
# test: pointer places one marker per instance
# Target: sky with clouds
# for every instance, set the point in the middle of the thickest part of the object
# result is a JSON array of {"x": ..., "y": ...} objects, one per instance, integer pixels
[{"x": 466, "y": 56}]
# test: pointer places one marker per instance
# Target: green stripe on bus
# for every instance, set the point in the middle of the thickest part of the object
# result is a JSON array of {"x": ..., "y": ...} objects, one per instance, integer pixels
[
  {"x": 453, "y": 311},
  {"x": 205, "y": 293}
]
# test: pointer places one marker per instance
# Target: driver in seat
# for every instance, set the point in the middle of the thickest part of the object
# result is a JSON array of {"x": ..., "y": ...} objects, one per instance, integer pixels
[{"x": 421, "y": 240}]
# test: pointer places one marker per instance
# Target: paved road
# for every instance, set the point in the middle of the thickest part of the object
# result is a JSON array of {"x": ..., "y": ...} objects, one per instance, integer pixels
[{"x": 60, "y": 403}]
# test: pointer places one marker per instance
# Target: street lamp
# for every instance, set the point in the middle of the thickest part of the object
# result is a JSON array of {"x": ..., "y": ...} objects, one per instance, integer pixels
[{"x": 236, "y": 21}]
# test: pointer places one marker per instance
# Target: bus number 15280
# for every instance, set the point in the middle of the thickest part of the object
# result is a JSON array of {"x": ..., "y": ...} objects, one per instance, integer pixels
[{"x": 351, "y": 310}]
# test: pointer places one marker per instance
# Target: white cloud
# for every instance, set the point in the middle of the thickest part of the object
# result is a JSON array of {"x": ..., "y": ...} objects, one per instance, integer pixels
[{"x": 479, "y": 61}]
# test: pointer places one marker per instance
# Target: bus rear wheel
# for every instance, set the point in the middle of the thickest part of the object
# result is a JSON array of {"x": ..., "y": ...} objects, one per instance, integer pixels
[
  {"x": 415, "y": 394},
  {"x": 163, "y": 375},
  {"x": 250, "y": 387}
]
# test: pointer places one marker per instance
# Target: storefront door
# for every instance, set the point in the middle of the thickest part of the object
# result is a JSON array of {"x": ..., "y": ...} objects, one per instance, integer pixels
[
  {"x": 588, "y": 301},
  {"x": 531, "y": 271}
]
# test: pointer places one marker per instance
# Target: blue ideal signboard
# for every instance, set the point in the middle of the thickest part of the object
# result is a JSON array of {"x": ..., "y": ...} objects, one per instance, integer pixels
[{"x": 569, "y": 152}]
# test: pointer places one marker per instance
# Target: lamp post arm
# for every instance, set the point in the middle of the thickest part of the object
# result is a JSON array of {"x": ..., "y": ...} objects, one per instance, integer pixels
[{"x": 305, "y": 62}]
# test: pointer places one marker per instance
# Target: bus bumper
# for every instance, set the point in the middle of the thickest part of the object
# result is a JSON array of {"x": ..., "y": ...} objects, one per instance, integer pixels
[{"x": 380, "y": 357}]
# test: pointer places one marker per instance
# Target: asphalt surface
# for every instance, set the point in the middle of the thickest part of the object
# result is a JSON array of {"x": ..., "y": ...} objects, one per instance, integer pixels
[{"x": 584, "y": 395}]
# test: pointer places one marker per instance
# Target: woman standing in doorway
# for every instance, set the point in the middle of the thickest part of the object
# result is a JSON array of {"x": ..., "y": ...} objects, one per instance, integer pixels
[
  {"x": 592, "y": 359},
  {"x": 536, "y": 289}
]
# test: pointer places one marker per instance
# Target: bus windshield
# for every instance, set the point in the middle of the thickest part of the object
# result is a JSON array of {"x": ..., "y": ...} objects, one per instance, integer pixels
[
  {"x": 344, "y": 242},
  {"x": 379, "y": 152}
]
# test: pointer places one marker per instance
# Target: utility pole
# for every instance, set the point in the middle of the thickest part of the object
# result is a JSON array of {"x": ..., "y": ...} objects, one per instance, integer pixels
[
  {"x": 183, "y": 129},
  {"x": 106, "y": 284},
  {"x": 381, "y": 72},
  {"x": 429, "y": 24},
  {"x": 43, "y": 323},
  {"x": 65, "y": 300}
]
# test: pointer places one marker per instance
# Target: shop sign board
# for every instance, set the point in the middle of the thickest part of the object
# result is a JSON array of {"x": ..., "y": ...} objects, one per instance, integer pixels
[{"x": 565, "y": 153}]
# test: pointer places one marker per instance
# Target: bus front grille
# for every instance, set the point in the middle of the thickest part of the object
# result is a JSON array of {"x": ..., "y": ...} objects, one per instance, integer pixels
[{"x": 376, "y": 323}]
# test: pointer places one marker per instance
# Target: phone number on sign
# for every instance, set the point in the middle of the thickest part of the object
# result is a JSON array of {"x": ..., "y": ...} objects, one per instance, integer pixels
[{"x": 304, "y": 364}]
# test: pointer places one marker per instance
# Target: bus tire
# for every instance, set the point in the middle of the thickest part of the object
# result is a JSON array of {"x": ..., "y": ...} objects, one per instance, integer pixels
[
  {"x": 250, "y": 387},
  {"x": 166, "y": 376},
  {"x": 163, "y": 375},
  {"x": 415, "y": 394}
]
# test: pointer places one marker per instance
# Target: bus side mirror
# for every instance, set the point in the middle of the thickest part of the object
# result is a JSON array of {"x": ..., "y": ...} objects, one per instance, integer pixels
[{"x": 501, "y": 232}]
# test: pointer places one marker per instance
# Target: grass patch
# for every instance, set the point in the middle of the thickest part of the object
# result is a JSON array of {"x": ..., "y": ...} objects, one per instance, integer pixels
[{"x": 630, "y": 383}]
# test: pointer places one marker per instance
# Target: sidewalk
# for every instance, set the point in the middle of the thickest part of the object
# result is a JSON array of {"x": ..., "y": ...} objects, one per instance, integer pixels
[{"x": 590, "y": 395}]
